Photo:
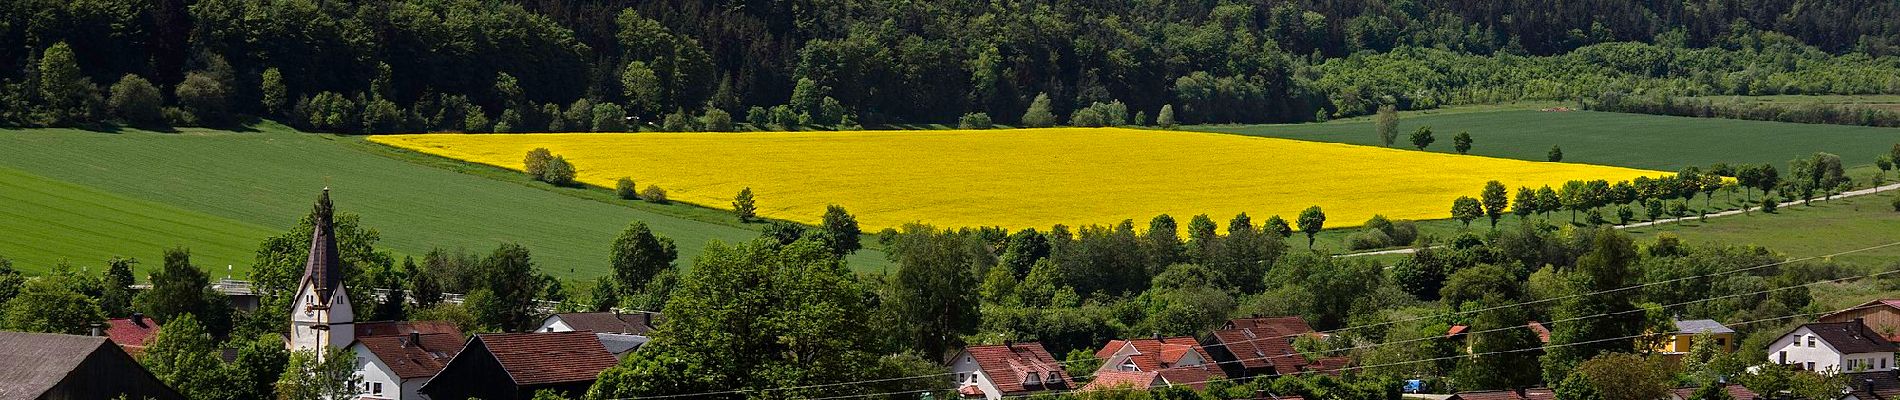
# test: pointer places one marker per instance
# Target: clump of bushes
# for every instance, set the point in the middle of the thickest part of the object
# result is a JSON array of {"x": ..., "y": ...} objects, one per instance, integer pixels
[
  {"x": 1381, "y": 232},
  {"x": 543, "y": 165},
  {"x": 654, "y": 194},
  {"x": 1113, "y": 113},
  {"x": 975, "y": 120},
  {"x": 626, "y": 189}
]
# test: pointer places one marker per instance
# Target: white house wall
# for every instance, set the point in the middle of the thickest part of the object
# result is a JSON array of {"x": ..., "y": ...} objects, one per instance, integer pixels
[
  {"x": 374, "y": 371},
  {"x": 1823, "y": 354},
  {"x": 554, "y": 324},
  {"x": 966, "y": 367}
]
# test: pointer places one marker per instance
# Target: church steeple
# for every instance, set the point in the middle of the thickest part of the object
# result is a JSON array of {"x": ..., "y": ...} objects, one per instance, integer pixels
[{"x": 324, "y": 269}]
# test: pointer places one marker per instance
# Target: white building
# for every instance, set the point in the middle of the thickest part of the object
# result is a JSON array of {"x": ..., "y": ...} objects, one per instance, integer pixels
[
  {"x": 620, "y": 333},
  {"x": 395, "y": 367},
  {"x": 1834, "y": 347},
  {"x": 320, "y": 315},
  {"x": 1010, "y": 369}
]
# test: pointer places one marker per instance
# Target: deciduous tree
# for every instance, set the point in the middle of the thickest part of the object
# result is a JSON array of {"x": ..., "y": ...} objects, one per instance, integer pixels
[
  {"x": 1495, "y": 201},
  {"x": 1461, "y": 142},
  {"x": 1312, "y": 220},
  {"x": 1387, "y": 122}
]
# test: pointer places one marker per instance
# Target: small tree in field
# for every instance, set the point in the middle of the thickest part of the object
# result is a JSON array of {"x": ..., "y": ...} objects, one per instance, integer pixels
[
  {"x": 135, "y": 101},
  {"x": 1556, "y": 154},
  {"x": 744, "y": 207},
  {"x": 1311, "y": 222},
  {"x": 1624, "y": 214},
  {"x": 1653, "y": 208},
  {"x": 1461, "y": 142},
  {"x": 626, "y": 189},
  {"x": 1387, "y": 121},
  {"x": 1495, "y": 200},
  {"x": 975, "y": 120},
  {"x": 1422, "y": 137},
  {"x": 536, "y": 163},
  {"x": 559, "y": 172},
  {"x": 1165, "y": 119},
  {"x": 653, "y": 194},
  {"x": 1466, "y": 209},
  {"x": 1041, "y": 113}
]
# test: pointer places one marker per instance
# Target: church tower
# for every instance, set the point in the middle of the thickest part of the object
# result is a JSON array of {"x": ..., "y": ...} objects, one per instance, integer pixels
[{"x": 320, "y": 315}]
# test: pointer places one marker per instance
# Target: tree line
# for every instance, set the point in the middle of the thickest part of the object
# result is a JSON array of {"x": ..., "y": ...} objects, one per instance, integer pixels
[{"x": 549, "y": 65}]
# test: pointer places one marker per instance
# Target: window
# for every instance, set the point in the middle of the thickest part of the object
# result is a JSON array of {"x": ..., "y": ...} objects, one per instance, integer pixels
[
  {"x": 379, "y": 389},
  {"x": 1810, "y": 366},
  {"x": 1810, "y": 340},
  {"x": 1053, "y": 377},
  {"x": 962, "y": 377},
  {"x": 1883, "y": 363}
]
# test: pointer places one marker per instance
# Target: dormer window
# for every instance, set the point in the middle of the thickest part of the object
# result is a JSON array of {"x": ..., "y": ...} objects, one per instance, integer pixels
[
  {"x": 1053, "y": 377},
  {"x": 1129, "y": 366},
  {"x": 1031, "y": 379}
]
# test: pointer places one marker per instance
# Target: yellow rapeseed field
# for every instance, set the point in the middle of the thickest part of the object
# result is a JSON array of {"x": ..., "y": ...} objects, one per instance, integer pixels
[{"x": 1023, "y": 178}]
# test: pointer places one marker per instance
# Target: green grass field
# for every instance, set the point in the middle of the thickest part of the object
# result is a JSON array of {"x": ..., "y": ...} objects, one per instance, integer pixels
[
  {"x": 1629, "y": 140},
  {"x": 1825, "y": 227},
  {"x": 87, "y": 196}
]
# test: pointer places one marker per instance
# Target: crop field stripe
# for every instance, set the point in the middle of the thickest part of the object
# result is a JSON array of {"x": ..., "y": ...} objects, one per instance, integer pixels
[
  {"x": 1022, "y": 178},
  {"x": 1629, "y": 140},
  {"x": 48, "y": 221}
]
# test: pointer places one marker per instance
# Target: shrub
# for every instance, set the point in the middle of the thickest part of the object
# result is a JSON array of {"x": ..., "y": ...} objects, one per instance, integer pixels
[
  {"x": 382, "y": 116},
  {"x": 536, "y": 163},
  {"x": 677, "y": 122},
  {"x": 716, "y": 120},
  {"x": 559, "y": 172},
  {"x": 205, "y": 98},
  {"x": 654, "y": 194},
  {"x": 580, "y": 116},
  {"x": 474, "y": 119},
  {"x": 137, "y": 102},
  {"x": 328, "y": 111},
  {"x": 1896, "y": 203},
  {"x": 626, "y": 189},
  {"x": 975, "y": 120},
  {"x": 609, "y": 117},
  {"x": 1040, "y": 114},
  {"x": 758, "y": 116},
  {"x": 1403, "y": 233},
  {"x": 1113, "y": 113},
  {"x": 1368, "y": 239},
  {"x": 1165, "y": 119},
  {"x": 1769, "y": 204}
]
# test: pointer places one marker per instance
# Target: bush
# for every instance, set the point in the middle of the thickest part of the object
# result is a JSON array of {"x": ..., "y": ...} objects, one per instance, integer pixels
[
  {"x": 1165, "y": 120},
  {"x": 1368, "y": 238},
  {"x": 716, "y": 120},
  {"x": 975, "y": 120},
  {"x": 559, "y": 172},
  {"x": 677, "y": 122},
  {"x": 1040, "y": 114},
  {"x": 1769, "y": 204},
  {"x": 1403, "y": 233},
  {"x": 1113, "y": 113},
  {"x": 1896, "y": 203},
  {"x": 654, "y": 194},
  {"x": 536, "y": 163},
  {"x": 137, "y": 102},
  {"x": 205, "y": 98},
  {"x": 382, "y": 116},
  {"x": 609, "y": 117},
  {"x": 626, "y": 189}
]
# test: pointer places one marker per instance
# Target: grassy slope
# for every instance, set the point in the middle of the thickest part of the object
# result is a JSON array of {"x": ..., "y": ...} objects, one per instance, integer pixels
[
  {"x": 1630, "y": 140},
  {"x": 1825, "y": 227},
  {"x": 48, "y": 221},
  {"x": 268, "y": 178}
]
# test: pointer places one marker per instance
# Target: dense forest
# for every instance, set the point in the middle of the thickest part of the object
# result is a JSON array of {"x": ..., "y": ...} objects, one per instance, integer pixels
[{"x": 471, "y": 65}]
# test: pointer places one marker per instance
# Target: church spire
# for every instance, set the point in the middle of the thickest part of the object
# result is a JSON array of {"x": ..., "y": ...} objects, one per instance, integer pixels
[{"x": 324, "y": 269}]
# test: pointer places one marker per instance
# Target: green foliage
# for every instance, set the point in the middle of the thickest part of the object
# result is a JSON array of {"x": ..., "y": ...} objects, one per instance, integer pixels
[
  {"x": 207, "y": 99},
  {"x": 1608, "y": 264},
  {"x": 309, "y": 376},
  {"x": 931, "y": 288},
  {"x": 1387, "y": 122},
  {"x": 1461, "y": 142},
  {"x": 653, "y": 194},
  {"x": 840, "y": 231},
  {"x": 137, "y": 102},
  {"x": 642, "y": 89},
  {"x": 1465, "y": 209},
  {"x": 639, "y": 255},
  {"x": 626, "y": 189},
  {"x": 66, "y": 95},
  {"x": 744, "y": 206},
  {"x": 1556, "y": 154},
  {"x": 975, "y": 120},
  {"x": 1422, "y": 137},
  {"x": 608, "y": 117},
  {"x": 1312, "y": 220},
  {"x": 274, "y": 96},
  {"x": 179, "y": 289},
  {"x": 1040, "y": 114},
  {"x": 48, "y": 304},
  {"x": 260, "y": 361},
  {"x": 1113, "y": 113},
  {"x": 1165, "y": 119},
  {"x": 332, "y": 112},
  {"x": 115, "y": 298},
  {"x": 506, "y": 286},
  {"x": 1494, "y": 201},
  {"x": 716, "y": 120},
  {"x": 185, "y": 357}
]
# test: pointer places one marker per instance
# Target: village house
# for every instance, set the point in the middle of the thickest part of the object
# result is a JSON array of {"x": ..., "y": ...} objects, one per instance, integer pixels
[
  {"x": 60, "y": 367},
  {"x": 1517, "y": 394},
  {"x": 513, "y": 366},
  {"x": 132, "y": 334},
  {"x": 1735, "y": 391},
  {"x": 1883, "y": 316},
  {"x": 1259, "y": 346},
  {"x": 1008, "y": 369},
  {"x": 394, "y": 358},
  {"x": 1833, "y": 347},
  {"x": 1869, "y": 386},
  {"x": 1683, "y": 339},
  {"x": 620, "y": 333},
  {"x": 1154, "y": 362}
]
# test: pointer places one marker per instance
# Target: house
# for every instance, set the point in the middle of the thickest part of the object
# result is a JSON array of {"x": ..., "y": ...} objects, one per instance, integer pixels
[
  {"x": 1869, "y": 386},
  {"x": 1462, "y": 332},
  {"x": 1258, "y": 346},
  {"x": 320, "y": 314},
  {"x": 67, "y": 367},
  {"x": 1833, "y": 347},
  {"x": 1882, "y": 316},
  {"x": 510, "y": 366},
  {"x": 1735, "y": 391},
  {"x": 1126, "y": 380},
  {"x": 620, "y": 333},
  {"x": 394, "y": 358},
  {"x": 1175, "y": 360},
  {"x": 1680, "y": 341},
  {"x": 1517, "y": 394},
  {"x": 132, "y": 334},
  {"x": 1009, "y": 369}
]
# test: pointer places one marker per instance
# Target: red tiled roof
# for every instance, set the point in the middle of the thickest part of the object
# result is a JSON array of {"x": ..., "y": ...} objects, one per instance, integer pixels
[
  {"x": 1735, "y": 391},
  {"x": 1284, "y": 324},
  {"x": 1543, "y": 334},
  {"x": 419, "y": 357},
  {"x": 1330, "y": 365},
  {"x": 1526, "y": 394},
  {"x": 970, "y": 391},
  {"x": 1123, "y": 379},
  {"x": 403, "y": 328},
  {"x": 548, "y": 357},
  {"x": 1456, "y": 330},
  {"x": 1194, "y": 377},
  {"x": 131, "y": 334},
  {"x": 611, "y": 322},
  {"x": 1263, "y": 347},
  {"x": 1156, "y": 354},
  {"x": 1007, "y": 364}
]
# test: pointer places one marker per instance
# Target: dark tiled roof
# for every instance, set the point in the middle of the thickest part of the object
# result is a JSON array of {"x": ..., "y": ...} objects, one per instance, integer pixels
[
  {"x": 1850, "y": 337},
  {"x": 1525, "y": 394},
  {"x": 1734, "y": 390},
  {"x": 399, "y": 328},
  {"x": 537, "y": 358},
  {"x": 611, "y": 322},
  {"x": 1873, "y": 385},
  {"x": 1195, "y": 377},
  {"x": 324, "y": 268},
  {"x": 1007, "y": 364},
  {"x": 32, "y": 363},
  {"x": 420, "y": 356},
  {"x": 129, "y": 333},
  {"x": 1262, "y": 347},
  {"x": 1330, "y": 365},
  {"x": 1284, "y": 324}
]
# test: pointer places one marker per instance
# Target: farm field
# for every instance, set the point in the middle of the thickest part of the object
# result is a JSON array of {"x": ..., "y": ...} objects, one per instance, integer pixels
[
  {"x": 1021, "y": 178},
  {"x": 1629, "y": 140},
  {"x": 219, "y": 193},
  {"x": 1823, "y": 227}
]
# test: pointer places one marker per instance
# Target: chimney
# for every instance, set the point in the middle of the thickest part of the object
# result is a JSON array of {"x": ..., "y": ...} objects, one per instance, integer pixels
[
  {"x": 98, "y": 330},
  {"x": 415, "y": 338},
  {"x": 647, "y": 318},
  {"x": 1860, "y": 328},
  {"x": 1009, "y": 344},
  {"x": 138, "y": 318}
]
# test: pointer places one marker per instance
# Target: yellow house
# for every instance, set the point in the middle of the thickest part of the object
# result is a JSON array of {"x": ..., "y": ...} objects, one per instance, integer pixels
[{"x": 1683, "y": 338}]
